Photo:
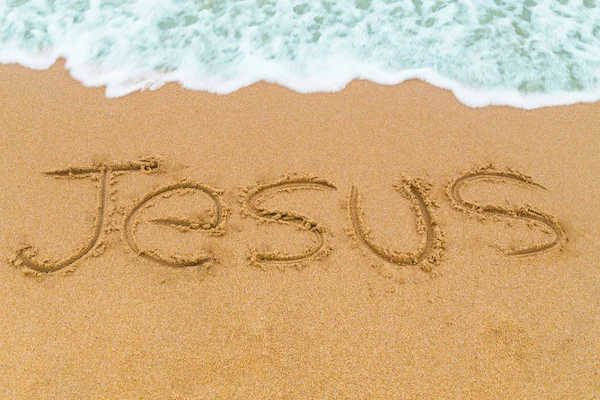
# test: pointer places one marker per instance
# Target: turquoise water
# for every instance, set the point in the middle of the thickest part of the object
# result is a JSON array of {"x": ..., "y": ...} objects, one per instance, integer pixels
[{"x": 522, "y": 53}]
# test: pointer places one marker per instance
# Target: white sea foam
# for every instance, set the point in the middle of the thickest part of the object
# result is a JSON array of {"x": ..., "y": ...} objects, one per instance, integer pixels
[{"x": 525, "y": 54}]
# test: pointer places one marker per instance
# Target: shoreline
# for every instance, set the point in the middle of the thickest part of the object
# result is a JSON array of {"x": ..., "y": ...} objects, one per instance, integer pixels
[{"x": 139, "y": 80}]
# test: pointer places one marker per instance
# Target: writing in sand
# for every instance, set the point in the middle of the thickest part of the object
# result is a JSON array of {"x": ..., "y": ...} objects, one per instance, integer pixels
[{"x": 429, "y": 252}]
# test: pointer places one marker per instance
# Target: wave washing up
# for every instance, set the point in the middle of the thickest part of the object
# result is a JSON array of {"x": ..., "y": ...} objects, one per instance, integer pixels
[{"x": 504, "y": 52}]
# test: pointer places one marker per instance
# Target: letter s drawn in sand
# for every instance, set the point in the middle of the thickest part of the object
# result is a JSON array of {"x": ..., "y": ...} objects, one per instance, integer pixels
[
  {"x": 26, "y": 257},
  {"x": 431, "y": 247},
  {"x": 491, "y": 174},
  {"x": 213, "y": 228},
  {"x": 251, "y": 199}
]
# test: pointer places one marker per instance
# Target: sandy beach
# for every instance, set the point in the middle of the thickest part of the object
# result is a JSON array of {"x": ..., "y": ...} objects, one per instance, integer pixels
[{"x": 380, "y": 242}]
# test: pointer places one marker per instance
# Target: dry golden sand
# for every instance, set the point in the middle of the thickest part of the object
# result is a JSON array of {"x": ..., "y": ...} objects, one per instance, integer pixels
[{"x": 355, "y": 276}]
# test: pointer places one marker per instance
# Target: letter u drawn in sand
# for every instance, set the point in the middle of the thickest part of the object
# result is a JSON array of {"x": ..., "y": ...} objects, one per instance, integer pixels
[
  {"x": 26, "y": 257},
  {"x": 252, "y": 199},
  {"x": 491, "y": 174},
  {"x": 214, "y": 228},
  {"x": 431, "y": 246}
]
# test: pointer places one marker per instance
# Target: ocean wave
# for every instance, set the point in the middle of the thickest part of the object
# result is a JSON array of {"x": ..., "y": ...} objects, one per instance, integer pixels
[{"x": 525, "y": 54}]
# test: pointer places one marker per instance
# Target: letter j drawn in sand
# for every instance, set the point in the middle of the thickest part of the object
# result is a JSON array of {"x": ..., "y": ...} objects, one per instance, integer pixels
[{"x": 27, "y": 256}]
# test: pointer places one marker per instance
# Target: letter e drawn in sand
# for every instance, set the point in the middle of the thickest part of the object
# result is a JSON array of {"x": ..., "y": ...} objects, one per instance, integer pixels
[
  {"x": 489, "y": 173},
  {"x": 252, "y": 199},
  {"x": 214, "y": 228},
  {"x": 26, "y": 257},
  {"x": 431, "y": 246}
]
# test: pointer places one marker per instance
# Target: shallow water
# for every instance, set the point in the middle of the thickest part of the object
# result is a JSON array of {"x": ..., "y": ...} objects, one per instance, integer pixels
[{"x": 521, "y": 53}]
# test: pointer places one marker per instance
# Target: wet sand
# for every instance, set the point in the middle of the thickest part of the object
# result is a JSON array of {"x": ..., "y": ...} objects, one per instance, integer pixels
[{"x": 379, "y": 242}]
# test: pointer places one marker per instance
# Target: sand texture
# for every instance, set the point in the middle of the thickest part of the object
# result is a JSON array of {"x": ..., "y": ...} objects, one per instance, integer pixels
[{"x": 380, "y": 242}]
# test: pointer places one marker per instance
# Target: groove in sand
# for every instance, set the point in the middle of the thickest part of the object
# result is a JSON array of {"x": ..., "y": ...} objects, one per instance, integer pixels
[
  {"x": 251, "y": 199},
  {"x": 490, "y": 173},
  {"x": 431, "y": 247},
  {"x": 150, "y": 164},
  {"x": 26, "y": 256},
  {"x": 213, "y": 228}
]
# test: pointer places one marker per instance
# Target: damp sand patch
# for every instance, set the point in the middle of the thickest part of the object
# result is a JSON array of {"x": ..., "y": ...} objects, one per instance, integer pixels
[{"x": 376, "y": 242}]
